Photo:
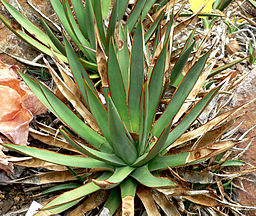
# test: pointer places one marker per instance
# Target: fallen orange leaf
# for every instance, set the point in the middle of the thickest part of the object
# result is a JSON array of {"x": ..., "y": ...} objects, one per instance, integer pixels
[{"x": 18, "y": 105}]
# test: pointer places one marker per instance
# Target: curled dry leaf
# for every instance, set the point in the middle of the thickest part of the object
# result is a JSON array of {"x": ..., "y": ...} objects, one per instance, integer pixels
[
  {"x": 17, "y": 105},
  {"x": 232, "y": 47},
  {"x": 31, "y": 102},
  {"x": 9, "y": 77}
]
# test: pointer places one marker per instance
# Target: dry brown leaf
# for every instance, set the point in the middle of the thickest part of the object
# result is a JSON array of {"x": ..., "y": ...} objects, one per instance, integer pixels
[
  {"x": 211, "y": 150},
  {"x": 50, "y": 177},
  {"x": 91, "y": 203},
  {"x": 213, "y": 135},
  {"x": 51, "y": 140},
  {"x": 31, "y": 102},
  {"x": 178, "y": 177},
  {"x": 49, "y": 130},
  {"x": 221, "y": 189},
  {"x": 9, "y": 77},
  {"x": 10, "y": 103},
  {"x": 145, "y": 195},
  {"x": 66, "y": 75},
  {"x": 204, "y": 199},
  {"x": 181, "y": 191},
  {"x": 232, "y": 47},
  {"x": 168, "y": 207},
  {"x": 178, "y": 28},
  {"x": 16, "y": 128},
  {"x": 238, "y": 173},
  {"x": 33, "y": 162}
]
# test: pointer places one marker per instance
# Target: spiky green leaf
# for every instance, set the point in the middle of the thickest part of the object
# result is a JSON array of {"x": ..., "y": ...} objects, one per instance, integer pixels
[
  {"x": 122, "y": 146},
  {"x": 136, "y": 78},
  {"x": 180, "y": 95},
  {"x": 143, "y": 176},
  {"x": 29, "y": 26},
  {"x": 116, "y": 86},
  {"x": 72, "y": 195},
  {"x": 102, "y": 156},
  {"x": 176, "y": 73},
  {"x": 64, "y": 113},
  {"x": 189, "y": 118},
  {"x": 55, "y": 40},
  {"x": 57, "y": 158}
]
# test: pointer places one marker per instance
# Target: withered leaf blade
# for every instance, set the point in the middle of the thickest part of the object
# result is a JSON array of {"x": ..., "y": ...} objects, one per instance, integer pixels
[
  {"x": 101, "y": 59},
  {"x": 50, "y": 177},
  {"x": 212, "y": 135},
  {"x": 145, "y": 195},
  {"x": 91, "y": 203},
  {"x": 181, "y": 191},
  {"x": 204, "y": 199},
  {"x": 184, "y": 24},
  {"x": 66, "y": 74},
  {"x": 211, "y": 150},
  {"x": 168, "y": 207},
  {"x": 37, "y": 163},
  {"x": 178, "y": 177},
  {"x": 50, "y": 140}
]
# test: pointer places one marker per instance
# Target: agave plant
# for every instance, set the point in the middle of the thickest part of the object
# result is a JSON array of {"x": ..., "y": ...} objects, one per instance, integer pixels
[{"x": 123, "y": 139}]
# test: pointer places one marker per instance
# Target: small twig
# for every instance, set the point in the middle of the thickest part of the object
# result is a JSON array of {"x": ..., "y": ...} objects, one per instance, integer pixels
[
  {"x": 36, "y": 59},
  {"x": 232, "y": 132},
  {"x": 238, "y": 187},
  {"x": 25, "y": 61},
  {"x": 245, "y": 149}
]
